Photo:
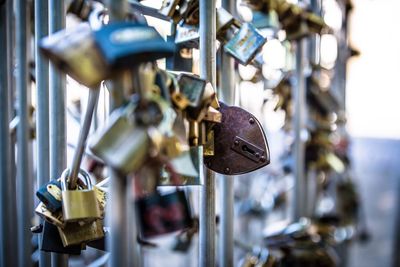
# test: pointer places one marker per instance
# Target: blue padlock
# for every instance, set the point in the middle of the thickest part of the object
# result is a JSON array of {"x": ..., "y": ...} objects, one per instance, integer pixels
[
  {"x": 50, "y": 195},
  {"x": 245, "y": 44},
  {"x": 124, "y": 44}
]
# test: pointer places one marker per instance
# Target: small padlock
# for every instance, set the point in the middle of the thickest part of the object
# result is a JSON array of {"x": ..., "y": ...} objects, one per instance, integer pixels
[
  {"x": 50, "y": 195},
  {"x": 245, "y": 44},
  {"x": 121, "y": 143},
  {"x": 188, "y": 168},
  {"x": 51, "y": 242},
  {"x": 55, "y": 218},
  {"x": 79, "y": 204},
  {"x": 199, "y": 93},
  {"x": 74, "y": 51},
  {"x": 77, "y": 232},
  {"x": 162, "y": 214},
  {"x": 125, "y": 43}
]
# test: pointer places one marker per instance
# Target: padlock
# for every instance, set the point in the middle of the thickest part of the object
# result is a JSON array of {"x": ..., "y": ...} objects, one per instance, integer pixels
[
  {"x": 199, "y": 93},
  {"x": 74, "y": 51},
  {"x": 51, "y": 242},
  {"x": 162, "y": 214},
  {"x": 125, "y": 43},
  {"x": 79, "y": 204},
  {"x": 188, "y": 168},
  {"x": 89, "y": 56},
  {"x": 240, "y": 145},
  {"x": 245, "y": 44},
  {"x": 55, "y": 218},
  {"x": 75, "y": 233},
  {"x": 50, "y": 195},
  {"x": 121, "y": 143},
  {"x": 187, "y": 31}
]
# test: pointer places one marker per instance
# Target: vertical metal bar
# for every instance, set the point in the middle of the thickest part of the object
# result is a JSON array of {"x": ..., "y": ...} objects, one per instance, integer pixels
[
  {"x": 42, "y": 107},
  {"x": 7, "y": 180},
  {"x": 118, "y": 213},
  {"x": 12, "y": 193},
  {"x": 207, "y": 196},
  {"x": 57, "y": 86},
  {"x": 23, "y": 129},
  {"x": 299, "y": 97},
  {"x": 227, "y": 95}
]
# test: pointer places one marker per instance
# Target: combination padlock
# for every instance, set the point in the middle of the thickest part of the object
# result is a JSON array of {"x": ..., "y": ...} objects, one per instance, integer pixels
[{"x": 79, "y": 204}]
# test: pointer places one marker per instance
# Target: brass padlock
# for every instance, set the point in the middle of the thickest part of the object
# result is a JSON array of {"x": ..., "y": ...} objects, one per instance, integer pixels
[
  {"x": 122, "y": 144},
  {"x": 55, "y": 218},
  {"x": 79, "y": 204},
  {"x": 78, "y": 233}
]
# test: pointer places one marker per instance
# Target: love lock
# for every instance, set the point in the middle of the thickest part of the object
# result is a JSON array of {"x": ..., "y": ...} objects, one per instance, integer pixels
[{"x": 240, "y": 145}]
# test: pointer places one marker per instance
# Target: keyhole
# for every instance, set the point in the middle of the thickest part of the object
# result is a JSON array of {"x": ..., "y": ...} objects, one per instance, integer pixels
[{"x": 247, "y": 149}]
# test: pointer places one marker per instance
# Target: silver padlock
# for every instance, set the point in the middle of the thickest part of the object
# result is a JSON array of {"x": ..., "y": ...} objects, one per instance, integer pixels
[
  {"x": 79, "y": 204},
  {"x": 245, "y": 43}
]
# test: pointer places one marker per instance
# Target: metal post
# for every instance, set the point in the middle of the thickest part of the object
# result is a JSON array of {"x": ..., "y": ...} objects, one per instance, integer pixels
[
  {"x": 57, "y": 86},
  {"x": 42, "y": 107},
  {"x": 207, "y": 196},
  {"x": 299, "y": 97},
  {"x": 8, "y": 245},
  {"x": 118, "y": 213},
  {"x": 24, "y": 181},
  {"x": 227, "y": 95}
]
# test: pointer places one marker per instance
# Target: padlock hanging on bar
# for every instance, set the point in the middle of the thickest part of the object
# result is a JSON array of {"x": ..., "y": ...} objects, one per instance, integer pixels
[
  {"x": 79, "y": 204},
  {"x": 93, "y": 56}
]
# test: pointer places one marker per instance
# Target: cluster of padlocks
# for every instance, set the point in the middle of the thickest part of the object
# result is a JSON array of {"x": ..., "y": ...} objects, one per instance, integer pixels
[{"x": 171, "y": 123}]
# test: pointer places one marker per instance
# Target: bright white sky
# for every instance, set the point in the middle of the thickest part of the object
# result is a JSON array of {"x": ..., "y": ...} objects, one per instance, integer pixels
[{"x": 373, "y": 85}]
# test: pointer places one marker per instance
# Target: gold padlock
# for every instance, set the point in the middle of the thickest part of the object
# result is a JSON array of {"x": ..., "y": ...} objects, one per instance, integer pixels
[
  {"x": 77, "y": 233},
  {"x": 79, "y": 204},
  {"x": 55, "y": 218}
]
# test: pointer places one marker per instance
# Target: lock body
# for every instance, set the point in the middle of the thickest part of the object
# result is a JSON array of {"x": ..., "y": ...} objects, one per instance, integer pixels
[
  {"x": 122, "y": 144},
  {"x": 76, "y": 233},
  {"x": 50, "y": 195},
  {"x": 240, "y": 145},
  {"x": 80, "y": 205},
  {"x": 245, "y": 43},
  {"x": 162, "y": 214},
  {"x": 51, "y": 242}
]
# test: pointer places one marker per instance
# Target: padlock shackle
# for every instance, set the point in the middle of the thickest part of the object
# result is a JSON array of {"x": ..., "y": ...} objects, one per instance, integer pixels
[
  {"x": 83, "y": 135},
  {"x": 82, "y": 173}
]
